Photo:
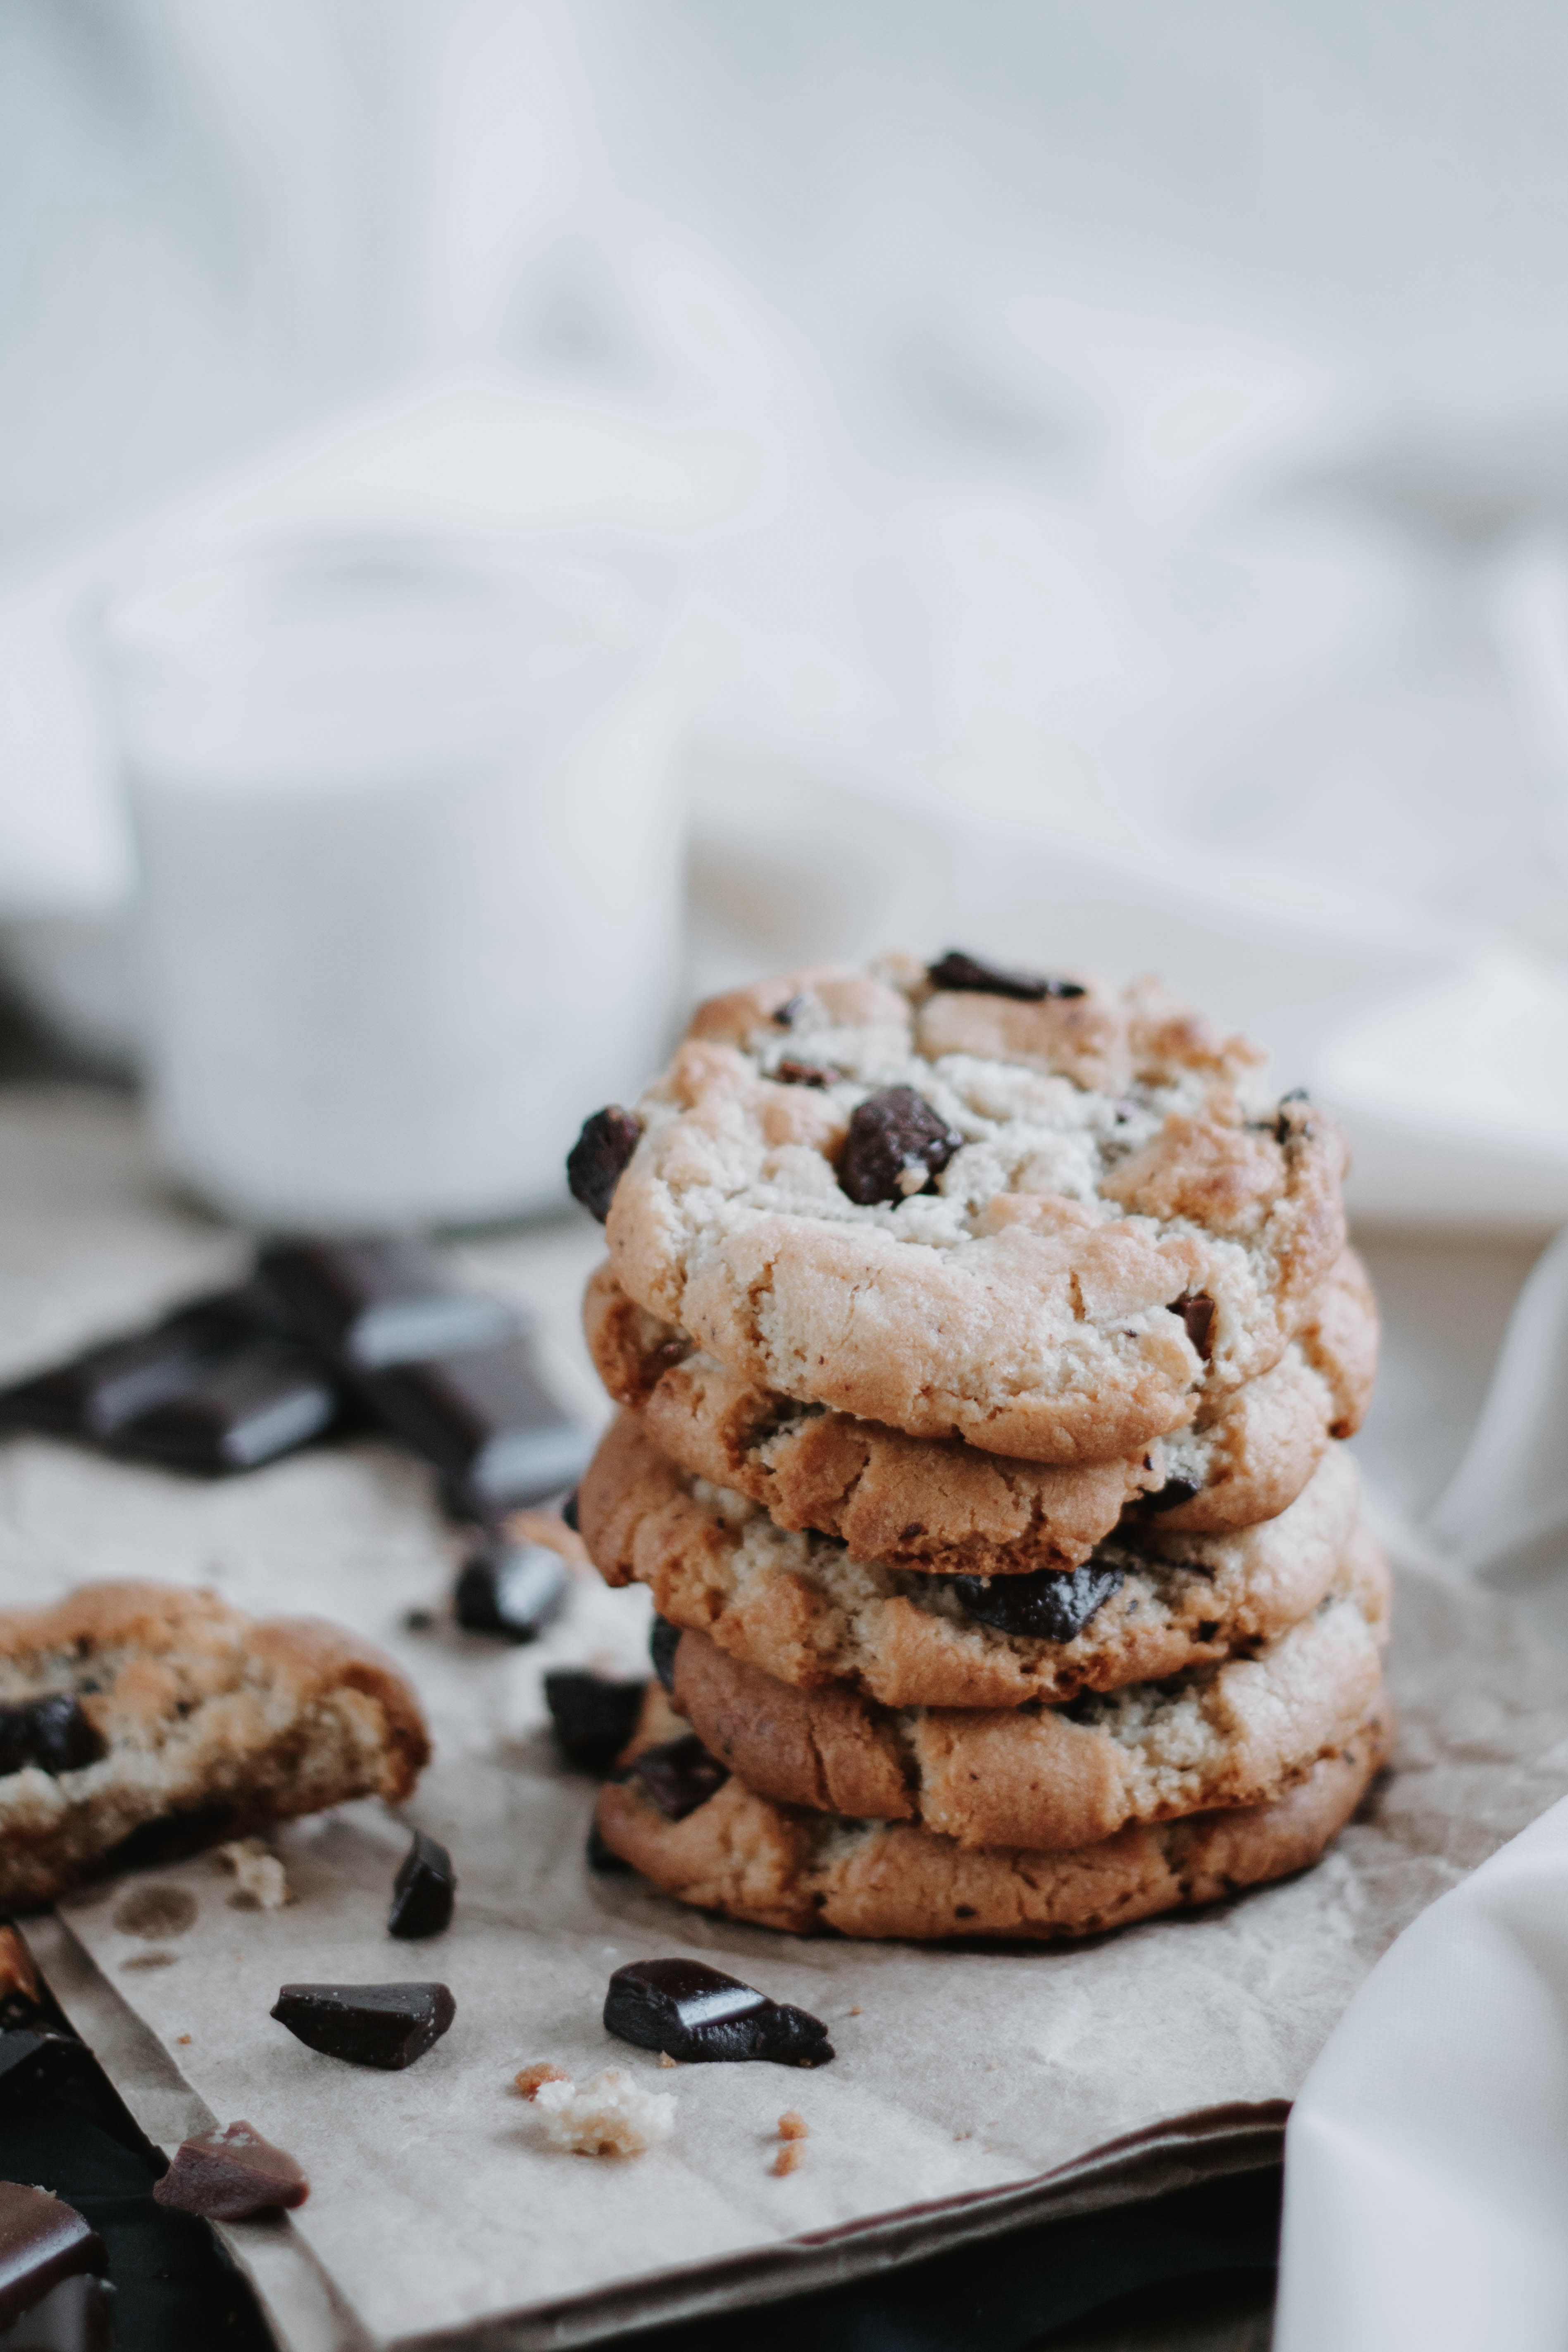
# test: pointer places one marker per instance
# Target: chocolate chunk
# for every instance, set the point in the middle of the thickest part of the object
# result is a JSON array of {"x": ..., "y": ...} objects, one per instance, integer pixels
[
  {"x": 386, "y": 2025},
  {"x": 35, "y": 2058},
  {"x": 569, "y": 1512},
  {"x": 1196, "y": 1311},
  {"x": 97, "y": 1392},
  {"x": 600, "y": 1856},
  {"x": 600, "y": 1156},
  {"x": 78, "y": 2316},
  {"x": 382, "y": 1300},
  {"x": 679, "y": 1775},
  {"x": 791, "y": 1073},
  {"x": 225, "y": 2175},
  {"x": 42, "y": 2240},
  {"x": 1168, "y": 1498},
  {"x": 488, "y": 1423},
  {"x": 788, "y": 1013},
  {"x": 663, "y": 1640},
  {"x": 236, "y": 1412},
  {"x": 422, "y": 1890},
  {"x": 511, "y": 1590},
  {"x": 896, "y": 1145},
  {"x": 593, "y": 1718},
  {"x": 957, "y": 971},
  {"x": 1050, "y": 1605},
  {"x": 1285, "y": 1126},
  {"x": 52, "y": 1733},
  {"x": 689, "y": 2011}
]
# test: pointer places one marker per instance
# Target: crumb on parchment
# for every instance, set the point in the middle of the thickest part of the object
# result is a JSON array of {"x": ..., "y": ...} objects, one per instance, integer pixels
[
  {"x": 611, "y": 2115},
  {"x": 666, "y": 2059},
  {"x": 260, "y": 1884},
  {"x": 788, "y": 2159},
  {"x": 530, "y": 2079},
  {"x": 793, "y": 2124}
]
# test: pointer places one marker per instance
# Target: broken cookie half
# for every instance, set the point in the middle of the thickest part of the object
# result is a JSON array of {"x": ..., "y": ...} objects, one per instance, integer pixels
[{"x": 143, "y": 1721}]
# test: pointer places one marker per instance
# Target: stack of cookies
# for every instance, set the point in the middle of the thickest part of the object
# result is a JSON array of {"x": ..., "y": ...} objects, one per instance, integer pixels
[{"x": 985, "y": 1341}]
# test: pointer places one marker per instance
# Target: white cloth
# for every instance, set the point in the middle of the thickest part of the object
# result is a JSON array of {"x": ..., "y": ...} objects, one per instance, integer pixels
[{"x": 1426, "y": 2159}]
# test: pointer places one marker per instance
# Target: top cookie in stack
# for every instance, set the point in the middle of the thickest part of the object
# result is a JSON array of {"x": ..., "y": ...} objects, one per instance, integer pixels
[{"x": 932, "y": 1276}]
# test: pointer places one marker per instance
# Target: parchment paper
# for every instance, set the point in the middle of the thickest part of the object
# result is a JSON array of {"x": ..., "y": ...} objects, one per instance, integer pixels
[{"x": 971, "y": 2083}]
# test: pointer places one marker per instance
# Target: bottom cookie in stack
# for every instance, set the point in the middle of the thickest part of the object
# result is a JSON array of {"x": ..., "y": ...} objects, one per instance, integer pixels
[{"x": 821, "y": 1809}]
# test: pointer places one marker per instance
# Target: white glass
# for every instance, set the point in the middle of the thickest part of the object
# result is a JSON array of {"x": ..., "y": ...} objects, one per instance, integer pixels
[{"x": 410, "y": 868}]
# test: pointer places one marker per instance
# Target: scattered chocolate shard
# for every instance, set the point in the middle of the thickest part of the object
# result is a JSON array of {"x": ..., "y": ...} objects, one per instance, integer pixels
[
  {"x": 52, "y": 1733},
  {"x": 423, "y": 1891},
  {"x": 487, "y": 1421},
  {"x": 1196, "y": 1311},
  {"x": 691, "y": 2012},
  {"x": 896, "y": 1145},
  {"x": 679, "y": 1775},
  {"x": 593, "y": 1718},
  {"x": 511, "y": 1590},
  {"x": 663, "y": 1640},
  {"x": 382, "y": 1300},
  {"x": 97, "y": 1394},
  {"x": 387, "y": 2025},
  {"x": 599, "y": 1158},
  {"x": 957, "y": 971},
  {"x": 226, "y": 2175},
  {"x": 42, "y": 2240},
  {"x": 241, "y": 1409},
  {"x": 78, "y": 2316},
  {"x": 1050, "y": 1605}
]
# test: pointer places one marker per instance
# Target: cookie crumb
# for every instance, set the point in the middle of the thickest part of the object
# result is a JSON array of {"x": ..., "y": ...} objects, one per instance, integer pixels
[
  {"x": 963, "y": 2134},
  {"x": 181, "y": 2037},
  {"x": 793, "y": 2124},
  {"x": 666, "y": 2059},
  {"x": 788, "y": 2159},
  {"x": 531, "y": 2077},
  {"x": 611, "y": 2115},
  {"x": 260, "y": 1884}
]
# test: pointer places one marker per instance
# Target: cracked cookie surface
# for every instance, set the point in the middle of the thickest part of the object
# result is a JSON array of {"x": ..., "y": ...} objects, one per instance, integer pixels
[{"x": 1118, "y": 1224}]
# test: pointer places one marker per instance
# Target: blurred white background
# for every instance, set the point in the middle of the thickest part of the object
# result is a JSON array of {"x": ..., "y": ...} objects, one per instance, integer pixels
[{"x": 1117, "y": 460}]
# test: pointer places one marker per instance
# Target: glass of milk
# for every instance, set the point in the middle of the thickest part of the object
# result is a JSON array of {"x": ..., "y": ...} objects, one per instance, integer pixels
[{"x": 410, "y": 867}]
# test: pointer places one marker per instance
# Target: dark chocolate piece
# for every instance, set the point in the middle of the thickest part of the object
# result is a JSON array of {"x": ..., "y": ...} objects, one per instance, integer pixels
[
  {"x": 42, "y": 2240},
  {"x": 593, "y": 1718},
  {"x": 422, "y": 1890},
  {"x": 236, "y": 1412},
  {"x": 1168, "y": 1498},
  {"x": 35, "y": 2058},
  {"x": 1287, "y": 1127},
  {"x": 386, "y": 2025},
  {"x": 663, "y": 1640},
  {"x": 487, "y": 1422},
  {"x": 601, "y": 1857},
  {"x": 78, "y": 2316},
  {"x": 569, "y": 1512},
  {"x": 225, "y": 2175},
  {"x": 896, "y": 1145},
  {"x": 1050, "y": 1605},
  {"x": 381, "y": 1300},
  {"x": 679, "y": 1775},
  {"x": 97, "y": 1392},
  {"x": 1196, "y": 1311},
  {"x": 788, "y": 1013},
  {"x": 791, "y": 1073},
  {"x": 957, "y": 971},
  {"x": 51, "y": 1732},
  {"x": 599, "y": 1158},
  {"x": 511, "y": 1590},
  {"x": 689, "y": 2011}
]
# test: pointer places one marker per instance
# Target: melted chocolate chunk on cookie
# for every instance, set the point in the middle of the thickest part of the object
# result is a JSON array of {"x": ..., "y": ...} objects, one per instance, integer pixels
[
  {"x": 691, "y": 2012},
  {"x": 1287, "y": 1125},
  {"x": 679, "y": 1775},
  {"x": 386, "y": 2025},
  {"x": 1196, "y": 1311},
  {"x": 791, "y": 1073},
  {"x": 1168, "y": 1498},
  {"x": 596, "y": 1161},
  {"x": 601, "y": 1857},
  {"x": 1051, "y": 1605},
  {"x": 897, "y": 1143},
  {"x": 423, "y": 1890},
  {"x": 52, "y": 1733},
  {"x": 593, "y": 1718},
  {"x": 663, "y": 1640},
  {"x": 569, "y": 1513},
  {"x": 957, "y": 971},
  {"x": 226, "y": 2175},
  {"x": 788, "y": 1013}
]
